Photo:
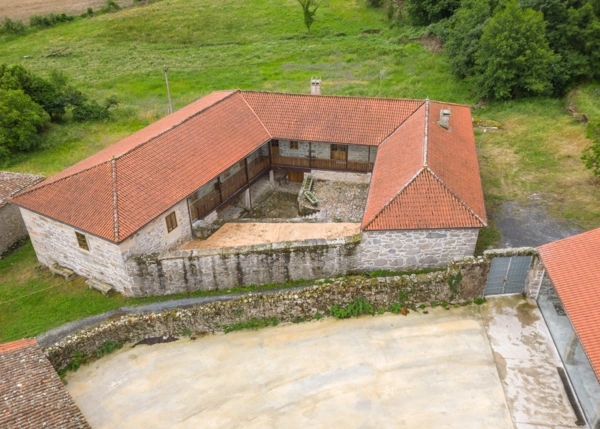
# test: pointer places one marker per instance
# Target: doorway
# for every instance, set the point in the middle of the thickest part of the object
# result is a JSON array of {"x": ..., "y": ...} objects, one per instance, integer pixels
[{"x": 339, "y": 152}]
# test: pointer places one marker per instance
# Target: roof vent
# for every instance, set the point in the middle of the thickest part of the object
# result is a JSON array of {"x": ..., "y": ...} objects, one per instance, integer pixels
[
  {"x": 315, "y": 86},
  {"x": 445, "y": 118}
]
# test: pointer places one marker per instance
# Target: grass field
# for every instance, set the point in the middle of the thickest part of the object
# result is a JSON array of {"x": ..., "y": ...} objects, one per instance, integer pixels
[{"x": 262, "y": 44}]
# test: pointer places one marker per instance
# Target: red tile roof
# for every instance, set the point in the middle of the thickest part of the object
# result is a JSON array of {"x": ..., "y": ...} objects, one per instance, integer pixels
[
  {"x": 332, "y": 119},
  {"x": 573, "y": 265},
  {"x": 32, "y": 396},
  {"x": 427, "y": 176},
  {"x": 117, "y": 191},
  {"x": 13, "y": 183}
]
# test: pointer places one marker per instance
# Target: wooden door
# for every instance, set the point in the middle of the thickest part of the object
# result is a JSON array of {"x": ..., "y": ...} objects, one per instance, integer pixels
[
  {"x": 296, "y": 176},
  {"x": 274, "y": 147},
  {"x": 339, "y": 151}
]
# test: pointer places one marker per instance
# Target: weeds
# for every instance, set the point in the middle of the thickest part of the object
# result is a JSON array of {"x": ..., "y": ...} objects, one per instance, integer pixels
[
  {"x": 251, "y": 324},
  {"x": 479, "y": 301},
  {"x": 356, "y": 308}
]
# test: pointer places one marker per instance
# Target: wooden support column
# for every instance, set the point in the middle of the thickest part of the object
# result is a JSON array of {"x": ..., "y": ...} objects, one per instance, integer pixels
[
  {"x": 248, "y": 181},
  {"x": 310, "y": 154},
  {"x": 270, "y": 156},
  {"x": 220, "y": 190},
  {"x": 347, "y": 150},
  {"x": 369, "y": 160}
]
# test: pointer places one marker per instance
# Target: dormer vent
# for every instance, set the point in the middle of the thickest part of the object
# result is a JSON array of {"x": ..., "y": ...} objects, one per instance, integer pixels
[
  {"x": 445, "y": 118},
  {"x": 315, "y": 86}
]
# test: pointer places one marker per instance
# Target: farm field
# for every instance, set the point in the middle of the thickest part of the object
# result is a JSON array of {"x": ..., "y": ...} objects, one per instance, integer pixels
[
  {"x": 263, "y": 45},
  {"x": 23, "y": 9}
]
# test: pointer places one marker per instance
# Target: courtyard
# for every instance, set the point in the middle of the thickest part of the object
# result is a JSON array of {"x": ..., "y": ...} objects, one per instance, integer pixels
[{"x": 489, "y": 366}]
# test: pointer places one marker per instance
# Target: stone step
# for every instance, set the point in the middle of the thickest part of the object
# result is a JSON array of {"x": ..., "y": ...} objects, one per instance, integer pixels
[
  {"x": 63, "y": 272},
  {"x": 99, "y": 286}
]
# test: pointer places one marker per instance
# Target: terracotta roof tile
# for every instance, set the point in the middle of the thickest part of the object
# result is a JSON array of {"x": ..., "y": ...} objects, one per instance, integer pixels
[
  {"x": 13, "y": 183},
  {"x": 573, "y": 265},
  {"x": 446, "y": 193},
  {"x": 334, "y": 119},
  {"x": 162, "y": 164},
  {"x": 32, "y": 396}
]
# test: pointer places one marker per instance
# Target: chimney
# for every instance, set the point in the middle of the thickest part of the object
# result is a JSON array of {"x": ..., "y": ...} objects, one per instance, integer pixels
[
  {"x": 445, "y": 118},
  {"x": 315, "y": 86}
]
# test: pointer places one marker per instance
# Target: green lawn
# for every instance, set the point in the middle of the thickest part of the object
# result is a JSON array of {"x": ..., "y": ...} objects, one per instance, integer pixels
[{"x": 262, "y": 45}]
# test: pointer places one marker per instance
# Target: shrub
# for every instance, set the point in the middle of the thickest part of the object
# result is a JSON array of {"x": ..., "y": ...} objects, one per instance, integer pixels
[
  {"x": 395, "y": 307},
  {"x": 479, "y": 301},
  {"x": 513, "y": 58},
  {"x": 591, "y": 154},
  {"x": 9, "y": 26},
  {"x": 424, "y": 12},
  {"x": 21, "y": 119},
  {"x": 49, "y": 19},
  {"x": 375, "y": 3},
  {"x": 90, "y": 111},
  {"x": 110, "y": 6}
]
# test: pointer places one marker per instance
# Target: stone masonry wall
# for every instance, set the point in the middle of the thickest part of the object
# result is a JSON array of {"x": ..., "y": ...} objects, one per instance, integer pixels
[
  {"x": 284, "y": 306},
  {"x": 185, "y": 271},
  {"x": 12, "y": 227},
  {"x": 154, "y": 238},
  {"x": 56, "y": 243},
  {"x": 407, "y": 250}
]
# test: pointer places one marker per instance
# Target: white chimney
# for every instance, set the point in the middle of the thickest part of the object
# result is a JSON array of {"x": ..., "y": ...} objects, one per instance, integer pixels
[
  {"x": 315, "y": 86},
  {"x": 445, "y": 118}
]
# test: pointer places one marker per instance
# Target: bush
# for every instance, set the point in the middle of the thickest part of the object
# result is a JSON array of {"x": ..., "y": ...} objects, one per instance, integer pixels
[
  {"x": 49, "y": 19},
  {"x": 513, "y": 58},
  {"x": 375, "y": 3},
  {"x": 9, "y": 26},
  {"x": 354, "y": 309},
  {"x": 424, "y": 12},
  {"x": 591, "y": 155},
  {"x": 110, "y": 6},
  {"x": 21, "y": 119}
]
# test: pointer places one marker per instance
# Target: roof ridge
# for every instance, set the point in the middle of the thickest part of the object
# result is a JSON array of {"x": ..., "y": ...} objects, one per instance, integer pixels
[
  {"x": 246, "y": 91},
  {"x": 400, "y": 125},
  {"x": 115, "y": 197},
  {"x": 465, "y": 205},
  {"x": 254, "y": 113},
  {"x": 386, "y": 205},
  {"x": 52, "y": 182}
]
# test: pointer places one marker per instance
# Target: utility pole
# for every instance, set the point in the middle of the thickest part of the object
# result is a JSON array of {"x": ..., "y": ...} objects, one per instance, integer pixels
[{"x": 166, "y": 69}]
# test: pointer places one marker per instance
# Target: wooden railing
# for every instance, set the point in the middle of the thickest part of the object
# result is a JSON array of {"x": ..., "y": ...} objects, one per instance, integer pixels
[
  {"x": 202, "y": 206},
  {"x": 360, "y": 166},
  {"x": 233, "y": 184},
  {"x": 290, "y": 161},
  {"x": 330, "y": 164},
  {"x": 257, "y": 166}
]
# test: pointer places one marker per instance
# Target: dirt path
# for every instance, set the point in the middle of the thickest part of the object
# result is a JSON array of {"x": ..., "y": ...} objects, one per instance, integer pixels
[
  {"x": 247, "y": 234},
  {"x": 23, "y": 9},
  {"x": 530, "y": 224}
]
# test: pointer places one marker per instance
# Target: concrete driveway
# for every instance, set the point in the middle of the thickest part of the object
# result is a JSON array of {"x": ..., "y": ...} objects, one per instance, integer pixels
[{"x": 472, "y": 367}]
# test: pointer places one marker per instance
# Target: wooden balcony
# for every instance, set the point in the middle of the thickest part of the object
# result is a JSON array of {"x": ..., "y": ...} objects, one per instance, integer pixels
[
  {"x": 290, "y": 161},
  {"x": 324, "y": 164}
]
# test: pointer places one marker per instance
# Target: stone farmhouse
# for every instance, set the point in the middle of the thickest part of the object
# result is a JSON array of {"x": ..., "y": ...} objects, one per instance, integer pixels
[
  {"x": 12, "y": 227},
  {"x": 143, "y": 195}
]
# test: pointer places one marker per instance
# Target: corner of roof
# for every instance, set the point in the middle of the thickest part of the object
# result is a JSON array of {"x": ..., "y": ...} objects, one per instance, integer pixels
[
  {"x": 255, "y": 114},
  {"x": 465, "y": 205},
  {"x": 367, "y": 223},
  {"x": 403, "y": 122}
]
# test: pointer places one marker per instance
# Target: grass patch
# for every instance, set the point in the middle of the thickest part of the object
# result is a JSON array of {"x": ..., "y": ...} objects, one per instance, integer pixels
[{"x": 357, "y": 307}]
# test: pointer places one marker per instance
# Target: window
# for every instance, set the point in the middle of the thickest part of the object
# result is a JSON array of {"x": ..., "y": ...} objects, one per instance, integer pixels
[
  {"x": 82, "y": 241},
  {"x": 274, "y": 143},
  {"x": 294, "y": 145},
  {"x": 171, "y": 222}
]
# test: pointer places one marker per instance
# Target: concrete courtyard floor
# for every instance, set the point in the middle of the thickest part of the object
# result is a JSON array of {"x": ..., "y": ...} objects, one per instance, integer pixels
[
  {"x": 247, "y": 234},
  {"x": 489, "y": 366}
]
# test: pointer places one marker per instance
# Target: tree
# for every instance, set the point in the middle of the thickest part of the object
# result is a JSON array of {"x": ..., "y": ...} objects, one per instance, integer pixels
[
  {"x": 424, "y": 12},
  {"x": 21, "y": 119},
  {"x": 309, "y": 9},
  {"x": 513, "y": 58},
  {"x": 591, "y": 155},
  {"x": 465, "y": 31}
]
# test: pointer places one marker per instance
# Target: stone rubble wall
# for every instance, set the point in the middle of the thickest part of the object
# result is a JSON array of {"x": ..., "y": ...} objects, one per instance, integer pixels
[
  {"x": 406, "y": 250},
  {"x": 285, "y": 306},
  {"x": 56, "y": 243},
  {"x": 210, "y": 269},
  {"x": 12, "y": 226}
]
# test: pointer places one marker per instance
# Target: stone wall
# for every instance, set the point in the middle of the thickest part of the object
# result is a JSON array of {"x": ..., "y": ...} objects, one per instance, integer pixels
[
  {"x": 56, "y": 243},
  {"x": 185, "y": 271},
  {"x": 405, "y": 291},
  {"x": 154, "y": 238},
  {"x": 406, "y": 250},
  {"x": 12, "y": 227}
]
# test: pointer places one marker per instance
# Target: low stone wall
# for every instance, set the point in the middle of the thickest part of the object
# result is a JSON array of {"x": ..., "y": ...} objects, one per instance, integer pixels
[
  {"x": 284, "y": 306},
  {"x": 210, "y": 269}
]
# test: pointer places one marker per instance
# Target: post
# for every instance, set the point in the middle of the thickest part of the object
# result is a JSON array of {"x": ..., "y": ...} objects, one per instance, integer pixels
[
  {"x": 219, "y": 186},
  {"x": 369, "y": 160},
  {"x": 166, "y": 69},
  {"x": 270, "y": 156},
  {"x": 248, "y": 182},
  {"x": 309, "y": 154}
]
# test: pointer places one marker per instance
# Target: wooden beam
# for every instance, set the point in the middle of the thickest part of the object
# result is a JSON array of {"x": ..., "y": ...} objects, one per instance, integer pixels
[{"x": 310, "y": 154}]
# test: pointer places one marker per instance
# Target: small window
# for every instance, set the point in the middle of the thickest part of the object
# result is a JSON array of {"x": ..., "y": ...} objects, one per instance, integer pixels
[
  {"x": 294, "y": 145},
  {"x": 82, "y": 241},
  {"x": 275, "y": 143},
  {"x": 171, "y": 222}
]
